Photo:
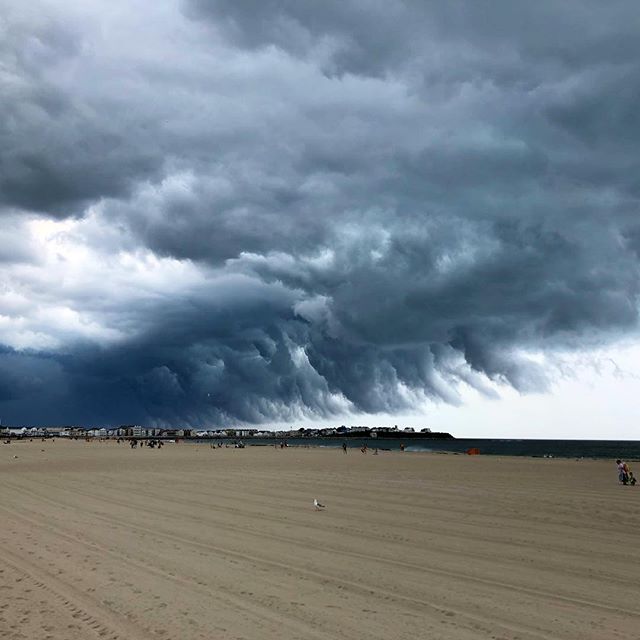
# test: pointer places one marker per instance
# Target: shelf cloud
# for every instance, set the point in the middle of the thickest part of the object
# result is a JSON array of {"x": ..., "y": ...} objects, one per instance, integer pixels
[{"x": 216, "y": 210}]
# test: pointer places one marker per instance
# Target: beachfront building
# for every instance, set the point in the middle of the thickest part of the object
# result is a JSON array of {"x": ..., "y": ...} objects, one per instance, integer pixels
[
  {"x": 178, "y": 433},
  {"x": 97, "y": 433},
  {"x": 246, "y": 433}
]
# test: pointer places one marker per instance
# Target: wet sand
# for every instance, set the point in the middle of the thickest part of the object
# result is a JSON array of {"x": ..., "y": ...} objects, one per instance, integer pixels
[{"x": 101, "y": 541}]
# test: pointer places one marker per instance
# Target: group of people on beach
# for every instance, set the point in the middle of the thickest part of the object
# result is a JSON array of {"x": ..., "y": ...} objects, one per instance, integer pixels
[
  {"x": 152, "y": 444},
  {"x": 625, "y": 475}
]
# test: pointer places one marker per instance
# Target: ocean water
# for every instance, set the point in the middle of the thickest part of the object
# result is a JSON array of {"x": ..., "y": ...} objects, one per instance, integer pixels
[{"x": 610, "y": 449}]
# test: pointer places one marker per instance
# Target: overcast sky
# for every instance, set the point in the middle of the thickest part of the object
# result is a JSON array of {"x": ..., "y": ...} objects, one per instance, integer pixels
[{"x": 321, "y": 212}]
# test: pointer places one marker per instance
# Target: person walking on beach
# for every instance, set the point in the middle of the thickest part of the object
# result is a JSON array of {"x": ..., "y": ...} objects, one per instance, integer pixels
[{"x": 344, "y": 447}]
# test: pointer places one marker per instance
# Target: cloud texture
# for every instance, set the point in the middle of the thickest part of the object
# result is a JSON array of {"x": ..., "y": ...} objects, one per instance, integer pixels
[{"x": 218, "y": 210}]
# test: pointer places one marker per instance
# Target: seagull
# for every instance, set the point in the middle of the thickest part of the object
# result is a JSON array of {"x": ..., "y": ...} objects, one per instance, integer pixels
[{"x": 317, "y": 505}]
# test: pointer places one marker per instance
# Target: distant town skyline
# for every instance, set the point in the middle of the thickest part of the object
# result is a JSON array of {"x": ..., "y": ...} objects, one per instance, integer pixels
[{"x": 285, "y": 212}]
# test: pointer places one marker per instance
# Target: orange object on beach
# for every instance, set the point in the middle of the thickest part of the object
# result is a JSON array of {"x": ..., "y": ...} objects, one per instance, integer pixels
[{"x": 473, "y": 451}]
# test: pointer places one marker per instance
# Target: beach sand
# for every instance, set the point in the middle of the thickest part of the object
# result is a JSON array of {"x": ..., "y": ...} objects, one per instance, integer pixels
[{"x": 101, "y": 541}]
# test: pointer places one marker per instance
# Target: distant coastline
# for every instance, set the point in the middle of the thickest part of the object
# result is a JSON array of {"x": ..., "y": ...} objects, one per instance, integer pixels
[
  {"x": 355, "y": 438},
  {"x": 141, "y": 432}
]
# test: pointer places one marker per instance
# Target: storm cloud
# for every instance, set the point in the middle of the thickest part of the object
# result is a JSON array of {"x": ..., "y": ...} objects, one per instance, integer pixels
[{"x": 256, "y": 211}]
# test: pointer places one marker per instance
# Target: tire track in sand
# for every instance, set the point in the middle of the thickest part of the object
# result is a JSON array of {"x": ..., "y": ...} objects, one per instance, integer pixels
[
  {"x": 256, "y": 611},
  {"x": 463, "y": 577},
  {"x": 103, "y": 623},
  {"x": 474, "y": 621}
]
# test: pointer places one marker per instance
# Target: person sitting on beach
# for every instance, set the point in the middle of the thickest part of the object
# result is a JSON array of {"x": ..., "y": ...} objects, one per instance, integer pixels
[{"x": 628, "y": 474}]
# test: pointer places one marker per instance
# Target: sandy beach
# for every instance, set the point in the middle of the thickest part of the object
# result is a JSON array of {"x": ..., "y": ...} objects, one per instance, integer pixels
[{"x": 102, "y": 541}]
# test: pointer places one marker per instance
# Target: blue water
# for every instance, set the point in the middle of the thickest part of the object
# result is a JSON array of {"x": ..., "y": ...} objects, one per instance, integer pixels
[{"x": 611, "y": 449}]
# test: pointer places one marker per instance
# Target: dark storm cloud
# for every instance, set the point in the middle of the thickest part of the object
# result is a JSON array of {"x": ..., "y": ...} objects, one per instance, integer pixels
[
  {"x": 382, "y": 200},
  {"x": 62, "y": 146},
  {"x": 372, "y": 37}
]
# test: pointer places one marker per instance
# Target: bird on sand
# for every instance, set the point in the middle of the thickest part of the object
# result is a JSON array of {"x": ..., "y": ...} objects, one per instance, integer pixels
[{"x": 317, "y": 505}]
